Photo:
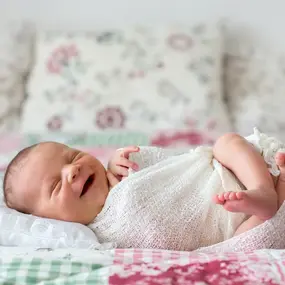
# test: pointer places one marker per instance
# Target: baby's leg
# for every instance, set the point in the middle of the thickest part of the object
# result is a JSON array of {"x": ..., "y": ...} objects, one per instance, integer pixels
[
  {"x": 239, "y": 156},
  {"x": 280, "y": 187},
  {"x": 249, "y": 224},
  {"x": 254, "y": 221}
]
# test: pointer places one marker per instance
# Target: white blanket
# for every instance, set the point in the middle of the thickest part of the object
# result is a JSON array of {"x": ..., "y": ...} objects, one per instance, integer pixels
[{"x": 168, "y": 203}]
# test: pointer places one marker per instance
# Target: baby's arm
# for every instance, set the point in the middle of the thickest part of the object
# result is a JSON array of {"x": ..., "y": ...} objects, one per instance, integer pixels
[
  {"x": 122, "y": 162},
  {"x": 239, "y": 156}
]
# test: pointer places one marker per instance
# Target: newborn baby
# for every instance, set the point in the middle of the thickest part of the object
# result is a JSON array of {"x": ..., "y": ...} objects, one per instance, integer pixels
[{"x": 54, "y": 181}]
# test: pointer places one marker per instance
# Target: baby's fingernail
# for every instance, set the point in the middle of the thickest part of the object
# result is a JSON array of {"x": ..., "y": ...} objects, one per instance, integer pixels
[{"x": 135, "y": 167}]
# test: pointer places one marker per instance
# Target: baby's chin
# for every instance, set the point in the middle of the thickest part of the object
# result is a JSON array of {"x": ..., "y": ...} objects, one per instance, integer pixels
[
  {"x": 96, "y": 204},
  {"x": 84, "y": 219}
]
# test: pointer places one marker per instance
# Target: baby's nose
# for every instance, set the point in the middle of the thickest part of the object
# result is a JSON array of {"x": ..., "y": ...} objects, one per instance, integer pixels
[{"x": 71, "y": 172}]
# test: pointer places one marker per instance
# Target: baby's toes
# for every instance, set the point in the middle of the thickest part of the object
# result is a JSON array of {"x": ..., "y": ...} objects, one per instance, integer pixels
[
  {"x": 228, "y": 195},
  {"x": 219, "y": 199},
  {"x": 225, "y": 196},
  {"x": 240, "y": 195},
  {"x": 280, "y": 158},
  {"x": 235, "y": 196}
]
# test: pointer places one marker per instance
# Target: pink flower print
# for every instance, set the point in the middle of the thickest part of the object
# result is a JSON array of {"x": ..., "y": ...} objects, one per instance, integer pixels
[
  {"x": 110, "y": 117},
  {"x": 55, "y": 123},
  {"x": 189, "y": 138},
  {"x": 180, "y": 42},
  {"x": 53, "y": 66},
  {"x": 227, "y": 272},
  {"x": 193, "y": 138},
  {"x": 61, "y": 57}
]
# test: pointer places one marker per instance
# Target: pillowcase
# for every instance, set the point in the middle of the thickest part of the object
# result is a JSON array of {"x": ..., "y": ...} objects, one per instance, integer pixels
[
  {"x": 138, "y": 78},
  {"x": 255, "y": 88},
  {"x": 19, "y": 229}
]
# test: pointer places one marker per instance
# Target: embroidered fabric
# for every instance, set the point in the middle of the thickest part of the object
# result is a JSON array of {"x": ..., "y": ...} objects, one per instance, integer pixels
[{"x": 268, "y": 147}]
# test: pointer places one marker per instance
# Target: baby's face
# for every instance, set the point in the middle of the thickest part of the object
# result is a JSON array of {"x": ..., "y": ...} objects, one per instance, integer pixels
[{"x": 62, "y": 183}]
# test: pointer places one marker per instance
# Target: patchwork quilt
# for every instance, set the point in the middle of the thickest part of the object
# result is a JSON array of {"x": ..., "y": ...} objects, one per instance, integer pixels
[{"x": 136, "y": 266}]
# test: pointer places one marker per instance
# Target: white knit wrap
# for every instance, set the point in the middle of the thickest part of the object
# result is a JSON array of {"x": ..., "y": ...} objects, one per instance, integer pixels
[{"x": 168, "y": 203}]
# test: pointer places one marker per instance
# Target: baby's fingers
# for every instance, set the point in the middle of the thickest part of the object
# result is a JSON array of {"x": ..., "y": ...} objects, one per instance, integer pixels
[
  {"x": 127, "y": 163},
  {"x": 113, "y": 180},
  {"x": 128, "y": 150},
  {"x": 121, "y": 170}
]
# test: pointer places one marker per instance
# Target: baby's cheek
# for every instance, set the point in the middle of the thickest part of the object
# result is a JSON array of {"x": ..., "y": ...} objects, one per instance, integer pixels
[
  {"x": 65, "y": 204},
  {"x": 69, "y": 212}
]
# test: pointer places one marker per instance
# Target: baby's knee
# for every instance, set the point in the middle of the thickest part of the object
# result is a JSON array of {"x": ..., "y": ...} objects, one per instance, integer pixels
[{"x": 227, "y": 139}]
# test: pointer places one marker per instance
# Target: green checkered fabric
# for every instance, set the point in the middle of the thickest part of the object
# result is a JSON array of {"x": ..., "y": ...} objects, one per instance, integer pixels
[
  {"x": 34, "y": 271},
  {"x": 95, "y": 140}
]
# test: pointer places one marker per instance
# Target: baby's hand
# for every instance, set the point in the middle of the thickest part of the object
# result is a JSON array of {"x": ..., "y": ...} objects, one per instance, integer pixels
[{"x": 119, "y": 164}]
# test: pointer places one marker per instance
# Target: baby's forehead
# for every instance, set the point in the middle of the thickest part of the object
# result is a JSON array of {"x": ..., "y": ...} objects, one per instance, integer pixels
[
  {"x": 46, "y": 154},
  {"x": 51, "y": 149},
  {"x": 42, "y": 159},
  {"x": 37, "y": 167}
]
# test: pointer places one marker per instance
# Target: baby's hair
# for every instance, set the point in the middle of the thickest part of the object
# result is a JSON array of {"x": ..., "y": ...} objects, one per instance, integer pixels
[{"x": 12, "y": 167}]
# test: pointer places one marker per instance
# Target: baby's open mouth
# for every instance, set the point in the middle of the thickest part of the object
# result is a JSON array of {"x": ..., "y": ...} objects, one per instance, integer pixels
[{"x": 87, "y": 184}]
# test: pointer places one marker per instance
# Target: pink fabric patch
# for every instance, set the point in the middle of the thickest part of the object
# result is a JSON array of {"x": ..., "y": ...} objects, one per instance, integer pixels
[
  {"x": 9, "y": 143},
  {"x": 146, "y": 266},
  {"x": 180, "y": 139}
]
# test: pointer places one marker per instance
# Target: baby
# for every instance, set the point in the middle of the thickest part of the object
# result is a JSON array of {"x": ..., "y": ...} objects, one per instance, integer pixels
[{"x": 54, "y": 181}]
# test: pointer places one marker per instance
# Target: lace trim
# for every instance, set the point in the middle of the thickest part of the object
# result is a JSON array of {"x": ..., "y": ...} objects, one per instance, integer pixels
[{"x": 268, "y": 148}]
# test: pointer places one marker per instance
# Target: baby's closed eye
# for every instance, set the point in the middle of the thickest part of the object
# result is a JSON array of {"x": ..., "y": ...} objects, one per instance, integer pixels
[
  {"x": 56, "y": 184},
  {"x": 73, "y": 157}
]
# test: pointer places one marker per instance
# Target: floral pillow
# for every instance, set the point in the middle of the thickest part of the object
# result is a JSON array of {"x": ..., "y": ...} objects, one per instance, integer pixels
[
  {"x": 255, "y": 88},
  {"x": 150, "y": 79}
]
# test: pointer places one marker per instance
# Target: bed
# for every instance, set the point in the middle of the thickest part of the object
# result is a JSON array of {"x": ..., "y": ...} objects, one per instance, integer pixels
[
  {"x": 38, "y": 265},
  {"x": 168, "y": 111}
]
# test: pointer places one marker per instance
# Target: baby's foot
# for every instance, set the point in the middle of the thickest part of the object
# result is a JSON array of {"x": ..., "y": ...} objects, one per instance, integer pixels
[
  {"x": 280, "y": 186},
  {"x": 280, "y": 159},
  {"x": 227, "y": 196},
  {"x": 262, "y": 204}
]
